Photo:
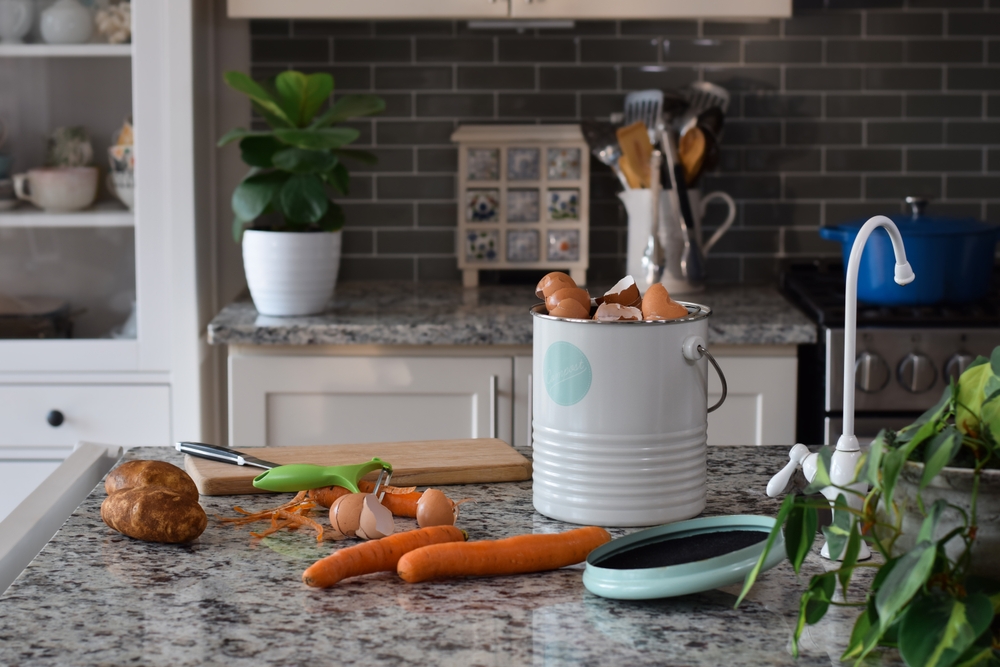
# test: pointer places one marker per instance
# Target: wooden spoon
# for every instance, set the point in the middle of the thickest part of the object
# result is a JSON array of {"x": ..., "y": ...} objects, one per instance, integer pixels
[{"x": 692, "y": 153}]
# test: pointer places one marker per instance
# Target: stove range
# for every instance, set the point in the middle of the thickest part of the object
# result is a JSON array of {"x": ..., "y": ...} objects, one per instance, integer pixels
[{"x": 906, "y": 355}]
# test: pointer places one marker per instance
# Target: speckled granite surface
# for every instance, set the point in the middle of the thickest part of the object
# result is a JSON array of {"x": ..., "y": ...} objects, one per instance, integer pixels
[
  {"x": 94, "y": 597},
  {"x": 390, "y": 313}
]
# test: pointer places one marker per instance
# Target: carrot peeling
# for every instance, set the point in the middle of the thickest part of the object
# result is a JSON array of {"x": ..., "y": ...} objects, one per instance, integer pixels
[
  {"x": 376, "y": 555},
  {"x": 513, "y": 555}
]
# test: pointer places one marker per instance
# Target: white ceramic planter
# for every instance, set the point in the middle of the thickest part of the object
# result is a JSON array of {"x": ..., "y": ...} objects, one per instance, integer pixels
[{"x": 291, "y": 273}]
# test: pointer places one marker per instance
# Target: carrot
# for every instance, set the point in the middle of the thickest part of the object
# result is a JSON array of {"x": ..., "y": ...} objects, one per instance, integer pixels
[
  {"x": 400, "y": 504},
  {"x": 376, "y": 555},
  {"x": 513, "y": 555}
]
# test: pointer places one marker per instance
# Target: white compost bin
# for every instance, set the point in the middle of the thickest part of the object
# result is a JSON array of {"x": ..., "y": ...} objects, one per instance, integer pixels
[{"x": 620, "y": 418}]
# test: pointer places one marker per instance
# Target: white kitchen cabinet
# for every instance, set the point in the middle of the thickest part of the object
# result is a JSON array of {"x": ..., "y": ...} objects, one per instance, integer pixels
[
  {"x": 352, "y": 9},
  {"x": 760, "y": 406},
  {"x": 520, "y": 9},
  {"x": 280, "y": 400},
  {"x": 20, "y": 479},
  {"x": 649, "y": 9}
]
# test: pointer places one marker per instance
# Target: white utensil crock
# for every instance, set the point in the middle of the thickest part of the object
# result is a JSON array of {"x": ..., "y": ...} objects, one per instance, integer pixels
[
  {"x": 291, "y": 273},
  {"x": 619, "y": 419}
]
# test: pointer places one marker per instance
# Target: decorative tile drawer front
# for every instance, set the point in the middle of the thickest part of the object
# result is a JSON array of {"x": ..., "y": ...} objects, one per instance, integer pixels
[{"x": 50, "y": 416}]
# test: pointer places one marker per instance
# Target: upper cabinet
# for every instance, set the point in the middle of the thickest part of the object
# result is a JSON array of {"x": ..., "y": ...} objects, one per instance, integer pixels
[{"x": 520, "y": 9}]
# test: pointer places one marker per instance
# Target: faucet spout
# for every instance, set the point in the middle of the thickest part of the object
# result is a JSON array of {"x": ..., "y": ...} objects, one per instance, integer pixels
[{"x": 903, "y": 275}]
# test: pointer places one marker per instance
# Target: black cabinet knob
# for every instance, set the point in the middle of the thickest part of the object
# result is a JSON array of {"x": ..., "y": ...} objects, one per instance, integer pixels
[{"x": 55, "y": 418}]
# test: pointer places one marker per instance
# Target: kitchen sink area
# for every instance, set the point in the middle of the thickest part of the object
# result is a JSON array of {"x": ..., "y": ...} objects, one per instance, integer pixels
[{"x": 720, "y": 270}]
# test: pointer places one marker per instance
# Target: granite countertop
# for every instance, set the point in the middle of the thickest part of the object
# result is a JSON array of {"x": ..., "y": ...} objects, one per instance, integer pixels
[
  {"x": 392, "y": 313},
  {"x": 94, "y": 597}
]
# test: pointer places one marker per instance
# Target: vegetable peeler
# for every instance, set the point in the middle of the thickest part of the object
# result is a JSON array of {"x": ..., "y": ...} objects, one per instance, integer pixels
[{"x": 296, "y": 476}]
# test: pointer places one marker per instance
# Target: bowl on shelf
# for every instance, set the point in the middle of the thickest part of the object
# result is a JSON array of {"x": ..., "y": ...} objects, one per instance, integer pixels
[{"x": 58, "y": 189}]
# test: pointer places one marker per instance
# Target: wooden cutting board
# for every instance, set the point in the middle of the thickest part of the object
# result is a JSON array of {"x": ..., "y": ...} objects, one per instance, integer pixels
[{"x": 420, "y": 463}]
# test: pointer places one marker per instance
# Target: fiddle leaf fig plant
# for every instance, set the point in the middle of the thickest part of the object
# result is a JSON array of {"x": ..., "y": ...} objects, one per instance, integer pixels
[
  {"x": 297, "y": 164},
  {"x": 924, "y": 599}
]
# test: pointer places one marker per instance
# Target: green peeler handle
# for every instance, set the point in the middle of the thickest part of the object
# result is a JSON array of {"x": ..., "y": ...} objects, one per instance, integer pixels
[{"x": 304, "y": 476}]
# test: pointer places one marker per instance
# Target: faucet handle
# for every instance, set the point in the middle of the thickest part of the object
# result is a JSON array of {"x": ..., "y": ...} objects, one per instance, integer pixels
[
  {"x": 779, "y": 482},
  {"x": 917, "y": 206}
]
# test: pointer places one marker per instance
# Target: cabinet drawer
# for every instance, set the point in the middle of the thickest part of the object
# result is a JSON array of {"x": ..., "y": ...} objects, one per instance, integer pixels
[{"x": 113, "y": 414}]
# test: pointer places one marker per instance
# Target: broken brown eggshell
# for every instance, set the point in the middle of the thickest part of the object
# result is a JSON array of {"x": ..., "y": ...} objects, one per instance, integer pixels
[
  {"x": 375, "y": 521},
  {"x": 551, "y": 282},
  {"x": 657, "y": 305},
  {"x": 345, "y": 513},
  {"x": 616, "y": 312},
  {"x": 577, "y": 294},
  {"x": 625, "y": 292}
]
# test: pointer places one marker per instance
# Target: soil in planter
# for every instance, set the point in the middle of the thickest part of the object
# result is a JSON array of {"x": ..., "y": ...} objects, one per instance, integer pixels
[{"x": 682, "y": 550}]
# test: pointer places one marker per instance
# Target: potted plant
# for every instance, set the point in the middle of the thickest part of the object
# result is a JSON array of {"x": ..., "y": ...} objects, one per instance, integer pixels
[
  {"x": 291, "y": 252},
  {"x": 933, "y": 595}
]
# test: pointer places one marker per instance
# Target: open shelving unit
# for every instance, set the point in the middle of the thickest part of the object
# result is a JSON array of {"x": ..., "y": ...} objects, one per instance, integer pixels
[
  {"x": 102, "y": 214},
  {"x": 65, "y": 50}
]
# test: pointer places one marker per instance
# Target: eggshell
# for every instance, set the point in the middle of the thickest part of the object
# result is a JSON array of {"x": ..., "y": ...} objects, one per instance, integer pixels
[
  {"x": 550, "y": 282},
  {"x": 435, "y": 509},
  {"x": 375, "y": 521},
  {"x": 345, "y": 513},
  {"x": 614, "y": 312},
  {"x": 625, "y": 292},
  {"x": 571, "y": 309},
  {"x": 575, "y": 293},
  {"x": 657, "y": 305}
]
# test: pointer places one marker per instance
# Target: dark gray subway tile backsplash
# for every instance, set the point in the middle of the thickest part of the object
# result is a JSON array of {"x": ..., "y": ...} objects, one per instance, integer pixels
[{"x": 836, "y": 114}]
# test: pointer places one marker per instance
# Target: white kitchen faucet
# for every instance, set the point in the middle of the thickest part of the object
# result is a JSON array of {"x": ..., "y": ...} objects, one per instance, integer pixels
[{"x": 845, "y": 459}]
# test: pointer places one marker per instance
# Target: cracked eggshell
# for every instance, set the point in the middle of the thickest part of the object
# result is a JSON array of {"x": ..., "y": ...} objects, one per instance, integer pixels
[
  {"x": 435, "y": 509},
  {"x": 577, "y": 294},
  {"x": 571, "y": 309},
  {"x": 615, "y": 312},
  {"x": 657, "y": 305},
  {"x": 625, "y": 292},
  {"x": 551, "y": 282},
  {"x": 375, "y": 521},
  {"x": 345, "y": 513}
]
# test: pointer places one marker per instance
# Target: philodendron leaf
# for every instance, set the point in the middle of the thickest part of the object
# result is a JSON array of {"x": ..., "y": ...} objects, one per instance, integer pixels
[
  {"x": 892, "y": 465},
  {"x": 303, "y": 199},
  {"x": 800, "y": 533},
  {"x": 261, "y": 98},
  {"x": 822, "y": 478},
  {"x": 838, "y": 532},
  {"x": 303, "y": 161},
  {"x": 907, "y": 577},
  {"x": 779, "y": 522},
  {"x": 971, "y": 394},
  {"x": 350, "y": 106},
  {"x": 926, "y": 424},
  {"x": 850, "y": 558},
  {"x": 995, "y": 360},
  {"x": 318, "y": 139},
  {"x": 257, "y": 151},
  {"x": 862, "y": 626},
  {"x": 936, "y": 629},
  {"x": 930, "y": 522},
  {"x": 253, "y": 195},
  {"x": 940, "y": 452},
  {"x": 872, "y": 459},
  {"x": 813, "y": 604}
]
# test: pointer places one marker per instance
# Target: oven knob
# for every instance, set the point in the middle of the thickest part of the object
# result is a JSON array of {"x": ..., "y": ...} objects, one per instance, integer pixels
[
  {"x": 871, "y": 373},
  {"x": 916, "y": 373},
  {"x": 957, "y": 364}
]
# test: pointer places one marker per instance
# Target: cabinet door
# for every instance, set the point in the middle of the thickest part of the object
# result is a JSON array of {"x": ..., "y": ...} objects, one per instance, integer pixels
[
  {"x": 760, "y": 405},
  {"x": 20, "y": 479},
  {"x": 293, "y": 400},
  {"x": 373, "y": 9},
  {"x": 640, "y": 9},
  {"x": 522, "y": 402}
]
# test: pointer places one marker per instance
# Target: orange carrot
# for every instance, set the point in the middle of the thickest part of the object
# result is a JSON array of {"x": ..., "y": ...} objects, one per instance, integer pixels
[
  {"x": 513, "y": 555},
  {"x": 376, "y": 555},
  {"x": 400, "y": 504}
]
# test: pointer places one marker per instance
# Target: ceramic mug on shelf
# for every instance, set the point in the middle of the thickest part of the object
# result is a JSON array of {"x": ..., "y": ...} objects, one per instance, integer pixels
[
  {"x": 67, "y": 22},
  {"x": 121, "y": 176},
  {"x": 16, "y": 17},
  {"x": 58, "y": 189}
]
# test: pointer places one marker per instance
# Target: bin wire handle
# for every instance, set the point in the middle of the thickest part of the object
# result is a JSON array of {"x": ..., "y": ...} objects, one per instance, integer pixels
[{"x": 722, "y": 377}]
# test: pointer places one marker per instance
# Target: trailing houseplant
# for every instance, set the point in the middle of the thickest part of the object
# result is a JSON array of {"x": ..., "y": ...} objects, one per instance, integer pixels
[
  {"x": 296, "y": 168},
  {"x": 929, "y": 597}
]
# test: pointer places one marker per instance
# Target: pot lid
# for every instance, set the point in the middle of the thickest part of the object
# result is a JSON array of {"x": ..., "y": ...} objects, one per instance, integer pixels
[
  {"x": 681, "y": 558},
  {"x": 918, "y": 223}
]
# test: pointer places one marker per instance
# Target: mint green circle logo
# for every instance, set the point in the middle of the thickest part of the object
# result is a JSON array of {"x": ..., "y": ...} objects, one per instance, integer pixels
[{"x": 566, "y": 372}]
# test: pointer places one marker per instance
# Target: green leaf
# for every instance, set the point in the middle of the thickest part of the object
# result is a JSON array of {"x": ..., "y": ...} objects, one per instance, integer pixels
[
  {"x": 907, "y": 577},
  {"x": 318, "y": 139},
  {"x": 940, "y": 452},
  {"x": 257, "y": 151},
  {"x": 239, "y": 133},
  {"x": 995, "y": 360},
  {"x": 936, "y": 629},
  {"x": 303, "y": 199},
  {"x": 869, "y": 467},
  {"x": 253, "y": 195},
  {"x": 364, "y": 157},
  {"x": 838, "y": 532},
  {"x": 862, "y": 627},
  {"x": 930, "y": 521},
  {"x": 800, "y": 533},
  {"x": 971, "y": 394},
  {"x": 302, "y": 95},
  {"x": 238, "y": 227},
  {"x": 262, "y": 99},
  {"x": 850, "y": 558},
  {"x": 304, "y": 161},
  {"x": 334, "y": 218},
  {"x": 892, "y": 465},
  {"x": 779, "y": 522},
  {"x": 813, "y": 604},
  {"x": 350, "y": 106},
  {"x": 932, "y": 414},
  {"x": 339, "y": 179},
  {"x": 822, "y": 478}
]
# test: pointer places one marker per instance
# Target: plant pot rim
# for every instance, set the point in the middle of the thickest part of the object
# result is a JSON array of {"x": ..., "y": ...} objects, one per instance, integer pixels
[
  {"x": 293, "y": 231},
  {"x": 953, "y": 478}
]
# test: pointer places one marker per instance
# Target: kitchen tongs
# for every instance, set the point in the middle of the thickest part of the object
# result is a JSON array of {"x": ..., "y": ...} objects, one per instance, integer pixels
[{"x": 295, "y": 476}]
